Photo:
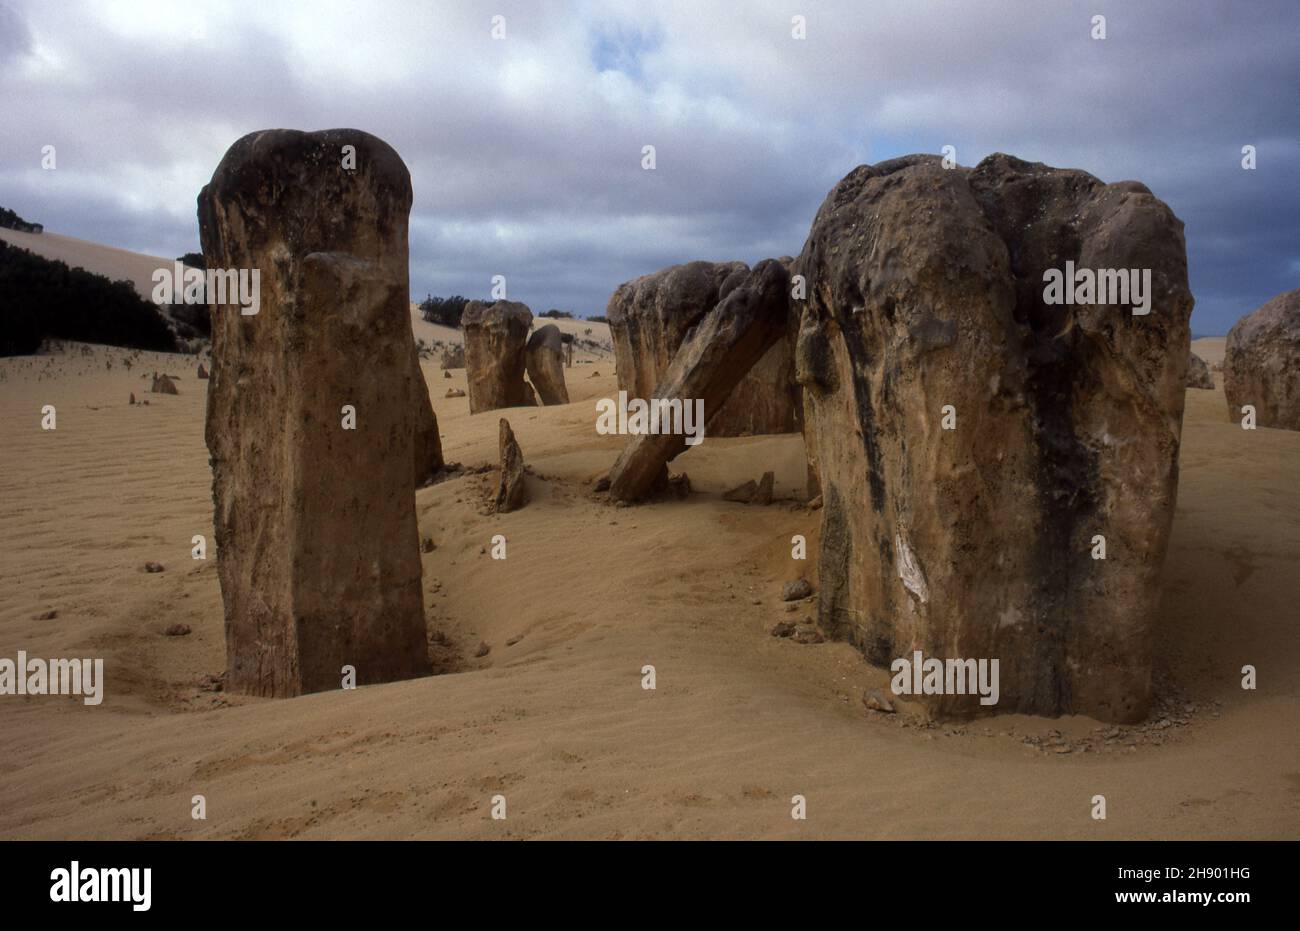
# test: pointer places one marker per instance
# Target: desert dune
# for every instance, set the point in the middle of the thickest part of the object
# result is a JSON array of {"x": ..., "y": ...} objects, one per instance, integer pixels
[{"x": 554, "y": 716}]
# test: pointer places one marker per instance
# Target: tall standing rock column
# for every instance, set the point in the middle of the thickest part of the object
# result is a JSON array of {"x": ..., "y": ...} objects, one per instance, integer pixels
[
  {"x": 315, "y": 523},
  {"x": 545, "y": 362},
  {"x": 973, "y": 441},
  {"x": 495, "y": 337}
]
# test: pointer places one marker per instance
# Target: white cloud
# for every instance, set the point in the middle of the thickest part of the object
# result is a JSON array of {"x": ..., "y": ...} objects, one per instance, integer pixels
[{"x": 527, "y": 150}]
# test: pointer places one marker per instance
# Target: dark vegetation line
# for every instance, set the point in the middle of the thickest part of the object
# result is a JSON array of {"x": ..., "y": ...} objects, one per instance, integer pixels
[
  {"x": 11, "y": 221},
  {"x": 44, "y": 299}
]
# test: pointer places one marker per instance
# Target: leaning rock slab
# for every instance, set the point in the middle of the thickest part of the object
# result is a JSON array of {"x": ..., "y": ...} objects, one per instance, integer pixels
[
  {"x": 1261, "y": 364},
  {"x": 495, "y": 336},
  {"x": 650, "y": 317},
  {"x": 925, "y": 300},
  {"x": 544, "y": 357},
  {"x": 319, "y": 551},
  {"x": 708, "y": 366}
]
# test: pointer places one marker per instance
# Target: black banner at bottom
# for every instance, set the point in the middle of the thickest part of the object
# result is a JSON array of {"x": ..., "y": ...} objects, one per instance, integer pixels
[{"x": 336, "y": 879}]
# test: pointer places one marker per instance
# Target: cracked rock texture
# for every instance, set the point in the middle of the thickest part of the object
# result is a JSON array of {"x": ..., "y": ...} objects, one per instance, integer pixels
[
  {"x": 318, "y": 556},
  {"x": 495, "y": 338},
  {"x": 925, "y": 289}
]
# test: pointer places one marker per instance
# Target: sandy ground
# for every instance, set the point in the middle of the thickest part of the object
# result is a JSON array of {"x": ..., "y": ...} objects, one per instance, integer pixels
[
  {"x": 1210, "y": 348},
  {"x": 557, "y": 721}
]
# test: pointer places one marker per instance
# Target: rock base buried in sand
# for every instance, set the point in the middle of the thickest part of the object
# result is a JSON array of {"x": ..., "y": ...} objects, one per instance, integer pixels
[
  {"x": 679, "y": 486},
  {"x": 511, "y": 493}
]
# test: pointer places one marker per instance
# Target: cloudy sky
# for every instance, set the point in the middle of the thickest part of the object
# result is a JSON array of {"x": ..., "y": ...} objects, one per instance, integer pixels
[{"x": 525, "y": 152}]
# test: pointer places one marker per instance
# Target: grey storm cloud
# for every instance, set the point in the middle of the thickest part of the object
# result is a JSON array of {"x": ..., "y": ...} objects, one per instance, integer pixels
[{"x": 525, "y": 152}]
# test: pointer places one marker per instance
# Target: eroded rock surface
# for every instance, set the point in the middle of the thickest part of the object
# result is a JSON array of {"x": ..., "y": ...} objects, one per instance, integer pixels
[
  {"x": 708, "y": 365},
  {"x": 1198, "y": 373},
  {"x": 163, "y": 384},
  {"x": 649, "y": 318},
  {"x": 1261, "y": 364},
  {"x": 495, "y": 337},
  {"x": 511, "y": 494},
  {"x": 453, "y": 358},
  {"x": 544, "y": 357},
  {"x": 319, "y": 557},
  {"x": 926, "y": 299},
  {"x": 426, "y": 440}
]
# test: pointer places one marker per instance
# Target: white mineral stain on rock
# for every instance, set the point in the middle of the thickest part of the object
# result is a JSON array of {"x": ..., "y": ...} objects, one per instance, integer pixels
[{"x": 909, "y": 571}]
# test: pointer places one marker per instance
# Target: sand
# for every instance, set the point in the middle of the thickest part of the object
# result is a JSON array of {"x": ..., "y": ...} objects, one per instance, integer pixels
[
  {"x": 558, "y": 722},
  {"x": 1210, "y": 349},
  {"x": 554, "y": 717}
]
